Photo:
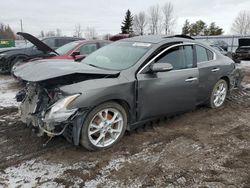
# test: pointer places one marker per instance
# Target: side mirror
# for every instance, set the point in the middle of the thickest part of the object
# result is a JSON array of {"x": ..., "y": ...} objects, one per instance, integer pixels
[
  {"x": 161, "y": 67},
  {"x": 74, "y": 54},
  {"x": 79, "y": 57}
]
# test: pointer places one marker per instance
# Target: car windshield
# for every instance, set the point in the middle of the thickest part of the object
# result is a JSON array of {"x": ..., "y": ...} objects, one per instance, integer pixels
[
  {"x": 117, "y": 56},
  {"x": 65, "y": 48}
]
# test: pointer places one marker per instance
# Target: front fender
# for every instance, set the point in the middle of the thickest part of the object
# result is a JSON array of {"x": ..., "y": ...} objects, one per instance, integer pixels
[{"x": 95, "y": 92}]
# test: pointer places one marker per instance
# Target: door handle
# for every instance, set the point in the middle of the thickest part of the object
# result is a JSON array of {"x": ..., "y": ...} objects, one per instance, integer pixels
[
  {"x": 191, "y": 79},
  {"x": 215, "y": 69}
]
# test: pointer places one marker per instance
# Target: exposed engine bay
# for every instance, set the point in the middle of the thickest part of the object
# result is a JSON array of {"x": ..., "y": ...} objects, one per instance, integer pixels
[
  {"x": 37, "y": 105},
  {"x": 44, "y": 105}
]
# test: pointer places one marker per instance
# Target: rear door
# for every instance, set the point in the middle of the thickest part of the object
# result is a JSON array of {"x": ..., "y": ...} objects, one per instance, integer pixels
[
  {"x": 169, "y": 92},
  {"x": 209, "y": 72}
]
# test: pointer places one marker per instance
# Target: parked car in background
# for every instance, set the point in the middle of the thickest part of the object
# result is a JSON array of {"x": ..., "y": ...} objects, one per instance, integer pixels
[
  {"x": 76, "y": 51},
  {"x": 36, "y": 48},
  {"x": 121, "y": 86},
  {"x": 243, "y": 50},
  {"x": 221, "y": 50},
  {"x": 220, "y": 43}
]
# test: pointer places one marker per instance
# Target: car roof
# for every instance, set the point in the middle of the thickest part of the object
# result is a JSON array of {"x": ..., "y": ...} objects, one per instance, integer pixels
[
  {"x": 62, "y": 37},
  {"x": 159, "y": 38},
  {"x": 90, "y": 41}
]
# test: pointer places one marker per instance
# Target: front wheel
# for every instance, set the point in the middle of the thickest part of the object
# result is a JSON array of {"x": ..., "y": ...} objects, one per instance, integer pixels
[
  {"x": 104, "y": 126},
  {"x": 219, "y": 94}
]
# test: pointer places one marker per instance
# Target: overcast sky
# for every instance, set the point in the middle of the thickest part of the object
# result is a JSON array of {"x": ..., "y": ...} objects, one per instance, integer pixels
[{"x": 106, "y": 15}]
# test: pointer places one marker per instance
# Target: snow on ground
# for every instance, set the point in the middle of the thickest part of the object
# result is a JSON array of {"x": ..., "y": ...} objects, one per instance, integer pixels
[
  {"x": 244, "y": 64},
  {"x": 8, "y": 89},
  {"x": 36, "y": 173}
]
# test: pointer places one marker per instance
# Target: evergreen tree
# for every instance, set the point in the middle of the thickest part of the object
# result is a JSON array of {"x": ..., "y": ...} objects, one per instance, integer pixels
[
  {"x": 6, "y": 32},
  {"x": 214, "y": 30},
  {"x": 200, "y": 28},
  {"x": 186, "y": 28},
  {"x": 127, "y": 24}
]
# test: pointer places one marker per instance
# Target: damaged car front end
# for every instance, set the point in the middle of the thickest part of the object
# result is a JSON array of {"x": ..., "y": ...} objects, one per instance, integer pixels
[
  {"x": 44, "y": 103},
  {"x": 46, "y": 109}
]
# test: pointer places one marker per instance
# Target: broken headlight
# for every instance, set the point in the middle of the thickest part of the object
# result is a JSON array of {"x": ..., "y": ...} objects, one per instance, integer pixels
[{"x": 58, "y": 112}]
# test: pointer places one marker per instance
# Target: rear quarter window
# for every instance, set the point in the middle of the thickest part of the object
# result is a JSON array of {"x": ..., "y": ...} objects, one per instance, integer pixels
[
  {"x": 203, "y": 54},
  {"x": 210, "y": 55}
]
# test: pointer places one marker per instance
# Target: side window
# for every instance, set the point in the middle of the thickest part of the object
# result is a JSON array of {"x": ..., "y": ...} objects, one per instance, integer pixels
[
  {"x": 50, "y": 42},
  {"x": 180, "y": 57},
  {"x": 61, "y": 42},
  {"x": 201, "y": 54},
  {"x": 189, "y": 56},
  {"x": 210, "y": 55},
  {"x": 87, "y": 49},
  {"x": 102, "y": 44}
]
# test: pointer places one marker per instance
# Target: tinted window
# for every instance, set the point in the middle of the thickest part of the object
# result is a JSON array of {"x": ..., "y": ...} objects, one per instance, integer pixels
[
  {"x": 210, "y": 55},
  {"x": 50, "y": 42},
  {"x": 180, "y": 57},
  {"x": 66, "y": 48},
  {"x": 201, "y": 54},
  {"x": 87, "y": 49},
  {"x": 189, "y": 56},
  {"x": 62, "y": 41}
]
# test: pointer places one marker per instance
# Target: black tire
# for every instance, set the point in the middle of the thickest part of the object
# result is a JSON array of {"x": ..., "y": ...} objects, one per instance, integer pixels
[
  {"x": 215, "y": 88},
  {"x": 85, "y": 140}
]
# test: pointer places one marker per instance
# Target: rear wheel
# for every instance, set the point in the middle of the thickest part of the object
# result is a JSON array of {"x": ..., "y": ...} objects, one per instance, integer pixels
[
  {"x": 104, "y": 126},
  {"x": 219, "y": 94}
]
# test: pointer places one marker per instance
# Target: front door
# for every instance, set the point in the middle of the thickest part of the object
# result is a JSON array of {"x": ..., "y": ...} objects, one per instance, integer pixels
[{"x": 169, "y": 92}]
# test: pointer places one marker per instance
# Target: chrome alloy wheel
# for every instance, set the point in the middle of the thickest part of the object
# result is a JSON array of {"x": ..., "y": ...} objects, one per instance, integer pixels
[
  {"x": 105, "y": 127},
  {"x": 220, "y": 94}
]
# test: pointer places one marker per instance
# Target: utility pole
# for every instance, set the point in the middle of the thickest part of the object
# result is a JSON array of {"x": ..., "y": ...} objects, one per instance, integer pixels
[{"x": 21, "y": 22}]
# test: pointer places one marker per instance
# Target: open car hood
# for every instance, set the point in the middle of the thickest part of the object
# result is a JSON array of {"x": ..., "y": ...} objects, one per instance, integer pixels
[
  {"x": 41, "y": 70},
  {"x": 39, "y": 44},
  {"x": 244, "y": 42}
]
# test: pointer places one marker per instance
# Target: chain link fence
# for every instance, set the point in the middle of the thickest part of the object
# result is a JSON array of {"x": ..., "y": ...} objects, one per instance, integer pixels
[{"x": 231, "y": 40}]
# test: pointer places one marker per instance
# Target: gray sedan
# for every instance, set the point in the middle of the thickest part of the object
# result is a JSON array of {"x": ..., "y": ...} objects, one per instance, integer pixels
[{"x": 121, "y": 86}]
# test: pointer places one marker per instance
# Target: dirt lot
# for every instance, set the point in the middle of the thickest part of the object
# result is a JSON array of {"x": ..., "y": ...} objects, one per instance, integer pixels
[{"x": 202, "y": 148}]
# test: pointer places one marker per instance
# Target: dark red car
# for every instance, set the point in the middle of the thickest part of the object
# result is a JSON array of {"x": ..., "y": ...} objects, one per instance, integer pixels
[{"x": 78, "y": 50}]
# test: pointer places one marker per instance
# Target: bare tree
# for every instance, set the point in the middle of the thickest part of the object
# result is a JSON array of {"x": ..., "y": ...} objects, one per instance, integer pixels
[
  {"x": 78, "y": 30},
  {"x": 169, "y": 19},
  {"x": 58, "y": 32},
  {"x": 42, "y": 34},
  {"x": 154, "y": 19},
  {"x": 50, "y": 34},
  {"x": 106, "y": 36},
  {"x": 140, "y": 23},
  {"x": 90, "y": 33},
  {"x": 241, "y": 24}
]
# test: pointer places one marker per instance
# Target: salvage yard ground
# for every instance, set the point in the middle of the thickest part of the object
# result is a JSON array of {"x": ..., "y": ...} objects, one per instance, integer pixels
[{"x": 205, "y": 147}]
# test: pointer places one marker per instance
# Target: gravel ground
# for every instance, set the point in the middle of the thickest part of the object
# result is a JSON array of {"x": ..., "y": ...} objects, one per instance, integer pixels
[{"x": 202, "y": 148}]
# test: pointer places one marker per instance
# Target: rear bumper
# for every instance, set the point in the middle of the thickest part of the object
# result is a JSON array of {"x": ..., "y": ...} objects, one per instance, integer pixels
[{"x": 236, "y": 78}]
